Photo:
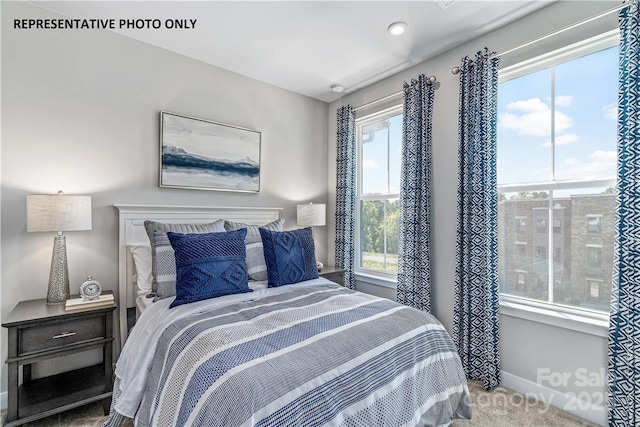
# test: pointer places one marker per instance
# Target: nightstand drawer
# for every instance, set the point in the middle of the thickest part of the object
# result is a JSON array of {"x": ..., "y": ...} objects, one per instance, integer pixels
[{"x": 60, "y": 334}]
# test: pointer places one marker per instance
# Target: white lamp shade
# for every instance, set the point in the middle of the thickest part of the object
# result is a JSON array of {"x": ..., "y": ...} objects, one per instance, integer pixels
[
  {"x": 311, "y": 215},
  {"x": 58, "y": 212}
]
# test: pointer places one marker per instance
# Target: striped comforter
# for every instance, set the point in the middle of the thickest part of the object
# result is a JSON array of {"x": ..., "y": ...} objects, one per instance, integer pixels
[{"x": 308, "y": 354}]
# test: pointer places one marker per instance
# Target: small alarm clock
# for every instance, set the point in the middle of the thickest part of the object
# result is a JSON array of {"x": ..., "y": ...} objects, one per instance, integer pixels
[{"x": 91, "y": 289}]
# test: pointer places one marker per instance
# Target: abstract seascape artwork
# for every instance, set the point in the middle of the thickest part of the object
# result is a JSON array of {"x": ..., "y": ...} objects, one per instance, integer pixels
[{"x": 205, "y": 155}]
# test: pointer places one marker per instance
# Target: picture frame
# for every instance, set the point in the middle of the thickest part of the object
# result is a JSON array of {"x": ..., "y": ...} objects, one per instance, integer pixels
[{"x": 202, "y": 154}]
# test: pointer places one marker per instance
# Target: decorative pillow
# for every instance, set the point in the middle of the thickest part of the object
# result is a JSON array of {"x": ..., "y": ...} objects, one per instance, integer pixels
[
  {"x": 151, "y": 226},
  {"x": 209, "y": 265},
  {"x": 290, "y": 256},
  {"x": 165, "y": 266},
  {"x": 256, "y": 266},
  {"x": 142, "y": 261}
]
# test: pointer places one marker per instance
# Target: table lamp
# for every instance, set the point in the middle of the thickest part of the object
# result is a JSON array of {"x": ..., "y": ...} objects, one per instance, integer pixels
[
  {"x": 311, "y": 215},
  {"x": 58, "y": 212}
]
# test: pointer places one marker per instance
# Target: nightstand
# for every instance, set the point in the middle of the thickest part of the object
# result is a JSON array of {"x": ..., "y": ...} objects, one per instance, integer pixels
[
  {"x": 39, "y": 332},
  {"x": 332, "y": 273}
]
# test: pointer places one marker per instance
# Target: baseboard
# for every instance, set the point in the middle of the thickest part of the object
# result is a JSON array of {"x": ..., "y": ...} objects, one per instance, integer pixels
[
  {"x": 570, "y": 403},
  {"x": 3, "y": 400}
]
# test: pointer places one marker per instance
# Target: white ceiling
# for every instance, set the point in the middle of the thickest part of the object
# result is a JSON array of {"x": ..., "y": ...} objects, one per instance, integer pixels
[{"x": 307, "y": 46}]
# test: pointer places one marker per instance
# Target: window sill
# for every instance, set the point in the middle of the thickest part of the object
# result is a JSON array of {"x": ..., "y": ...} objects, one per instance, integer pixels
[
  {"x": 577, "y": 320},
  {"x": 386, "y": 280}
]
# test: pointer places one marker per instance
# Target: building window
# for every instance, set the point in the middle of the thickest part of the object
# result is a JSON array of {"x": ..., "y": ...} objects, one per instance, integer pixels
[
  {"x": 379, "y": 139},
  {"x": 594, "y": 256},
  {"x": 521, "y": 249},
  {"x": 556, "y": 164},
  {"x": 594, "y": 287},
  {"x": 541, "y": 225},
  {"x": 594, "y": 223},
  {"x": 521, "y": 224},
  {"x": 557, "y": 255},
  {"x": 521, "y": 277},
  {"x": 540, "y": 253}
]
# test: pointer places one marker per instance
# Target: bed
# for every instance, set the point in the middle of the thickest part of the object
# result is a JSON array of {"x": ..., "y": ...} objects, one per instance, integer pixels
[{"x": 303, "y": 354}]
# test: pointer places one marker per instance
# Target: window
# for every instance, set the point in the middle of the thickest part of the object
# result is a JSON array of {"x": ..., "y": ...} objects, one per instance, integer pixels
[
  {"x": 557, "y": 164},
  {"x": 379, "y": 139},
  {"x": 593, "y": 223},
  {"x": 521, "y": 224},
  {"x": 594, "y": 287},
  {"x": 557, "y": 255},
  {"x": 594, "y": 256},
  {"x": 541, "y": 253}
]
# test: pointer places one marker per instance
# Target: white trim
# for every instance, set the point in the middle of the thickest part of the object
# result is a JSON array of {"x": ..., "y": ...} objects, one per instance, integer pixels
[
  {"x": 387, "y": 280},
  {"x": 588, "y": 322},
  {"x": 559, "y": 56},
  {"x": 559, "y": 399},
  {"x": 558, "y": 185}
]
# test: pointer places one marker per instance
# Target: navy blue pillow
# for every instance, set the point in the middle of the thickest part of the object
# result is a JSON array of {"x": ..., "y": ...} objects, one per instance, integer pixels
[
  {"x": 209, "y": 265},
  {"x": 290, "y": 256}
]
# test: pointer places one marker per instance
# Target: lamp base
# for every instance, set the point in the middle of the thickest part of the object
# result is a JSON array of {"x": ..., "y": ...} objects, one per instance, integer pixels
[{"x": 58, "y": 290}]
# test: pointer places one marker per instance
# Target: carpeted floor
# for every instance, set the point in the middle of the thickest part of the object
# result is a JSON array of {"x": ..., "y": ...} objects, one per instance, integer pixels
[
  {"x": 502, "y": 407},
  {"x": 498, "y": 408}
]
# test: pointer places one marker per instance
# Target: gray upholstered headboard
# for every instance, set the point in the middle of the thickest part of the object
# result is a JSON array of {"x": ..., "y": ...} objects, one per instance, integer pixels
[{"x": 131, "y": 231}]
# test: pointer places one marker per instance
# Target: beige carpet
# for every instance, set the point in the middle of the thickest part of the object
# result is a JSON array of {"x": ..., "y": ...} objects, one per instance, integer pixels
[
  {"x": 498, "y": 408},
  {"x": 502, "y": 407}
]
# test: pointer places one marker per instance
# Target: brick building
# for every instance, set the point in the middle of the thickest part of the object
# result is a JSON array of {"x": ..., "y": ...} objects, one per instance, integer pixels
[{"x": 574, "y": 248}]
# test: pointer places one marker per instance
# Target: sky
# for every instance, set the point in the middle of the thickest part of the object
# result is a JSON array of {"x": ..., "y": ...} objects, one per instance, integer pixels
[
  {"x": 586, "y": 91},
  {"x": 385, "y": 144}
]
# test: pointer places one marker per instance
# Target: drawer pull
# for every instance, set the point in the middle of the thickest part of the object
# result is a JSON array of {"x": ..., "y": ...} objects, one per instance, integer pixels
[{"x": 64, "y": 335}]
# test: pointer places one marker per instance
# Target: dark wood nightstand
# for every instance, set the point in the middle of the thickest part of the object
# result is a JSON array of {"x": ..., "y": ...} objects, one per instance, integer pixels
[
  {"x": 332, "y": 273},
  {"x": 40, "y": 332}
]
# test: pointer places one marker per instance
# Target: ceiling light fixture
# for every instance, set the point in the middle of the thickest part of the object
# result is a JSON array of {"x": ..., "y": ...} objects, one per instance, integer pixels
[
  {"x": 397, "y": 28},
  {"x": 337, "y": 88}
]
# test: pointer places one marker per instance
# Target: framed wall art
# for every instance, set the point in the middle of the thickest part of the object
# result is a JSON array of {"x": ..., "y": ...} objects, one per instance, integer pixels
[{"x": 205, "y": 155}]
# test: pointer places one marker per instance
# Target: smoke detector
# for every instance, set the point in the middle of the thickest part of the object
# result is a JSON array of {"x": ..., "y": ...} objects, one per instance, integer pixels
[{"x": 444, "y": 3}]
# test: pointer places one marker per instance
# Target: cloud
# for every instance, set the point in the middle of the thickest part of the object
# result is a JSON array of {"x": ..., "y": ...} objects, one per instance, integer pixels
[
  {"x": 601, "y": 163},
  {"x": 610, "y": 111},
  {"x": 564, "y": 100},
  {"x": 532, "y": 117},
  {"x": 370, "y": 164},
  {"x": 528, "y": 105},
  {"x": 567, "y": 138}
]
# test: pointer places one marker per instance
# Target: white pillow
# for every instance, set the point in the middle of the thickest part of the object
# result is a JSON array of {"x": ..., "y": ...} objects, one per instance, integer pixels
[{"x": 142, "y": 261}]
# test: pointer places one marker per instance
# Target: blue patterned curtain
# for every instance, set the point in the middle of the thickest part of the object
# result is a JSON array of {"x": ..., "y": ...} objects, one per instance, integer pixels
[
  {"x": 414, "y": 279},
  {"x": 345, "y": 192},
  {"x": 624, "y": 324},
  {"x": 476, "y": 322}
]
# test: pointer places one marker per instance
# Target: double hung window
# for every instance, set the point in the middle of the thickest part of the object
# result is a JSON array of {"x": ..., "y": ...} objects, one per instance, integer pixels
[
  {"x": 379, "y": 139},
  {"x": 557, "y": 165}
]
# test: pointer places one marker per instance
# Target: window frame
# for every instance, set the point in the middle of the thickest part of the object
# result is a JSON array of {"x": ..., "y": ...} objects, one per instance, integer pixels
[
  {"x": 552, "y": 313},
  {"x": 371, "y": 276}
]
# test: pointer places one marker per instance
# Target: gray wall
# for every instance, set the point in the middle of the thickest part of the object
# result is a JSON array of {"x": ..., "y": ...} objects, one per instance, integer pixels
[
  {"x": 80, "y": 113},
  {"x": 546, "y": 346}
]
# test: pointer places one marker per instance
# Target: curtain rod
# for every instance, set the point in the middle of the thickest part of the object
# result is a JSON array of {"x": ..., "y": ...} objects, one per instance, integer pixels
[
  {"x": 430, "y": 80},
  {"x": 456, "y": 69}
]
